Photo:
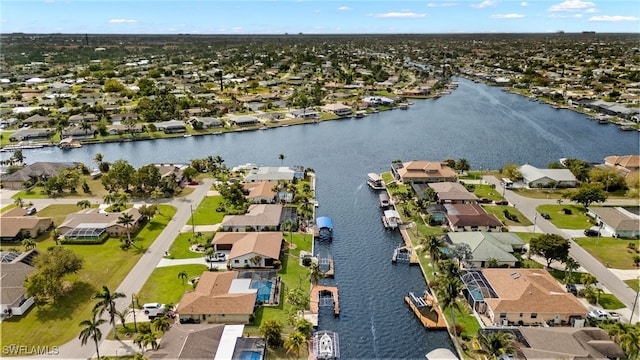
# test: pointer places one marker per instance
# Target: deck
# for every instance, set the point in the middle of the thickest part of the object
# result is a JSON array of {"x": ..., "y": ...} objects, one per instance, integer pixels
[
  {"x": 413, "y": 260},
  {"x": 331, "y": 272},
  {"x": 427, "y": 311},
  {"x": 316, "y": 300}
]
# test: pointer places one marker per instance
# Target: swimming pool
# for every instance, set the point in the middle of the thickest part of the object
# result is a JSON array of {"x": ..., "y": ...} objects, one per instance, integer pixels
[
  {"x": 250, "y": 355},
  {"x": 264, "y": 290}
]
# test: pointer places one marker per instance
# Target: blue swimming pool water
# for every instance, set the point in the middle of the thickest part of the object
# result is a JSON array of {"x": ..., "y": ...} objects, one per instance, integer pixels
[
  {"x": 250, "y": 355},
  {"x": 264, "y": 290}
]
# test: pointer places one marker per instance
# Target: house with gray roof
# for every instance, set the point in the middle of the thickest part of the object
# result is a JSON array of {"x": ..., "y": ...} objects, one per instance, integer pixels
[
  {"x": 452, "y": 192},
  {"x": 189, "y": 341},
  {"x": 259, "y": 217},
  {"x": 487, "y": 246},
  {"x": 270, "y": 173},
  {"x": 92, "y": 224},
  {"x": 34, "y": 172},
  {"x": 566, "y": 343},
  {"x": 16, "y": 267},
  {"x": 535, "y": 177},
  {"x": 31, "y": 134},
  {"x": 617, "y": 220},
  {"x": 171, "y": 126},
  {"x": 207, "y": 122},
  {"x": 244, "y": 120}
]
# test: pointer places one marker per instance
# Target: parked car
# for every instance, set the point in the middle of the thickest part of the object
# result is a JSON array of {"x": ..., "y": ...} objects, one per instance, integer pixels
[
  {"x": 219, "y": 256},
  {"x": 603, "y": 315},
  {"x": 484, "y": 201},
  {"x": 154, "y": 309},
  {"x": 501, "y": 202},
  {"x": 32, "y": 210},
  {"x": 591, "y": 232},
  {"x": 188, "y": 320},
  {"x": 193, "y": 182},
  {"x": 571, "y": 288},
  {"x": 545, "y": 216}
]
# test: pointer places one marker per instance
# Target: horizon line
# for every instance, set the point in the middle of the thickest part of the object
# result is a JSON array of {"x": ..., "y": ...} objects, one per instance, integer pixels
[{"x": 559, "y": 32}]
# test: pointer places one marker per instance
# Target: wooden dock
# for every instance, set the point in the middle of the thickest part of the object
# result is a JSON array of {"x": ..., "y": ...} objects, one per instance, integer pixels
[
  {"x": 315, "y": 298},
  {"x": 413, "y": 260},
  {"x": 427, "y": 311},
  {"x": 330, "y": 273}
]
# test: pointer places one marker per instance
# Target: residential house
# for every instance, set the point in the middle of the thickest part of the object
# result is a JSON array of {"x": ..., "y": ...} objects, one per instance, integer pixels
[
  {"x": 172, "y": 170},
  {"x": 34, "y": 173},
  {"x": 260, "y": 192},
  {"x": 338, "y": 109},
  {"x": 522, "y": 296},
  {"x": 422, "y": 172},
  {"x": 16, "y": 267},
  {"x": 304, "y": 114},
  {"x": 250, "y": 249},
  {"x": 77, "y": 132},
  {"x": 471, "y": 217},
  {"x": 206, "y": 122},
  {"x": 378, "y": 100},
  {"x": 534, "y": 177},
  {"x": 171, "y": 126},
  {"x": 92, "y": 224},
  {"x": 219, "y": 297},
  {"x": 244, "y": 120},
  {"x": 617, "y": 221},
  {"x": 36, "y": 120},
  {"x": 259, "y": 217},
  {"x": 125, "y": 129},
  {"x": 551, "y": 343},
  {"x": 487, "y": 246},
  {"x": 189, "y": 341},
  {"x": 268, "y": 173},
  {"x": 32, "y": 134},
  {"x": 16, "y": 225},
  {"x": 626, "y": 164},
  {"x": 80, "y": 118},
  {"x": 451, "y": 193}
]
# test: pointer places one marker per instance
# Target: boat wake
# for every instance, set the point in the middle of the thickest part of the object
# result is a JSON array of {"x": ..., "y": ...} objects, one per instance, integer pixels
[{"x": 373, "y": 332}]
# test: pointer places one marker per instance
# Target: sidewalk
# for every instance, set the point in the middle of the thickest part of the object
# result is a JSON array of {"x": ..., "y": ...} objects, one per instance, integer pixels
[{"x": 222, "y": 265}]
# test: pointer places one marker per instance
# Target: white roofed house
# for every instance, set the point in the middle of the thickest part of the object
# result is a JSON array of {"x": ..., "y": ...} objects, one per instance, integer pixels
[
  {"x": 270, "y": 173},
  {"x": 171, "y": 126},
  {"x": 307, "y": 113},
  {"x": 535, "y": 177},
  {"x": 337, "y": 109}
]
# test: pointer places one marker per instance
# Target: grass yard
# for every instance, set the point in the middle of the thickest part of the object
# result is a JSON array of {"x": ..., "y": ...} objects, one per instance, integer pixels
[
  {"x": 487, "y": 191},
  {"x": 526, "y": 237},
  {"x": 96, "y": 190},
  {"x": 541, "y": 193},
  {"x": 611, "y": 252},
  {"x": 206, "y": 214},
  {"x": 164, "y": 285},
  {"x": 58, "y": 212},
  {"x": 498, "y": 211},
  {"x": 577, "y": 220},
  {"x": 180, "y": 247},
  {"x": 104, "y": 264},
  {"x": 634, "y": 284},
  {"x": 610, "y": 302}
]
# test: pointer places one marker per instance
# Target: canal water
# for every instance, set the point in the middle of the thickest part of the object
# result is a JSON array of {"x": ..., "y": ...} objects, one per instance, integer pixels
[{"x": 486, "y": 126}]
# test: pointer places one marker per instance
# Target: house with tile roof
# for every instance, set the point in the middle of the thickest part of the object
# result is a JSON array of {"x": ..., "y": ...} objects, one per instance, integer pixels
[
  {"x": 535, "y": 177},
  {"x": 567, "y": 343},
  {"x": 617, "y": 221},
  {"x": 16, "y": 267},
  {"x": 249, "y": 249},
  {"x": 471, "y": 217},
  {"x": 260, "y": 192},
  {"x": 34, "y": 173},
  {"x": 16, "y": 225},
  {"x": 188, "y": 341},
  {"x": 453, "y": 193},
  {"x": 92, "y": 224},
  {"x": 219, "y": 297},
  {"x": 422, "y": 172},
  {"x": 259, "y": 217},
  {"x": 529, "y": 297},
  {"x": 626, "y": 164},
  {"x": 486, "y": 246}
]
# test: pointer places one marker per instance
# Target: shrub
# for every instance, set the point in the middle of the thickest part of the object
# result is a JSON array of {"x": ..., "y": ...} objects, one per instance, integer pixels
[
  {"x": 306, "y": 261},
  {"x": 459, "y": 329}
]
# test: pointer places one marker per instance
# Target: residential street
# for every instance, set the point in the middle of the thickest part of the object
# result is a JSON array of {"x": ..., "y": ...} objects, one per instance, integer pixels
[{"x": 606, "y": 277}]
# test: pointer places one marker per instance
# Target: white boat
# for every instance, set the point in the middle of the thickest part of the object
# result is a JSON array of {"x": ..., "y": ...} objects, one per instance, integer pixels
[
  {"x": 325, "y": 349},
  {"x": 375, "y": 181},
  {"x": 324, "y": 345}
]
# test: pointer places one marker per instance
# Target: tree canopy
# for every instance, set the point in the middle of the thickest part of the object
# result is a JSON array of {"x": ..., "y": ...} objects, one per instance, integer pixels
[
  {"x": 551, "y": 247},
  {"x": 46, "y": 283},
  {"x": 588, "y": 194}
]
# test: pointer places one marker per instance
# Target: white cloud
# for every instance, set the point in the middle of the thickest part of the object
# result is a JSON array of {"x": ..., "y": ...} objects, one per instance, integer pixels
[
  {"x": 398, "y": 15},
  {"x": 615, "y": 18},
  {"x": 236, "y": 29},
  {"x": 507, "y": 16},
  {"x": 443, "y": 4},
  {"x": 524, "y": 3},
  {"x": 571, "y": 5},
  {"x": 559, "y": 16},
  {"x": 592, "y": 10},
  {"x": 122, "y": 21},
  {"x": 344, "y": 8},
  {"x": 484, "y": 4}
]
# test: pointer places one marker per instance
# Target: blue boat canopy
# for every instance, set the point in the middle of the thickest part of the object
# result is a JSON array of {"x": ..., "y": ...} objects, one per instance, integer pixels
[{"x": 324, "y": 222}]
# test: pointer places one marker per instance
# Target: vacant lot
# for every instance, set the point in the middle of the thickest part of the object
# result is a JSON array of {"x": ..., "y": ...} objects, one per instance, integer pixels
[
  {"x": 165, "y": 286},
  {"x": 206, "y": 213},
  {"x": 498, "y": 211},
  {"x": 611, "y": 252},
  {"x": 577, "y": 219}
]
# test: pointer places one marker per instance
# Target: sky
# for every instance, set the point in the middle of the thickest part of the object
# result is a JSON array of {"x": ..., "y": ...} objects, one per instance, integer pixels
[{"x": 317, "y": 16}]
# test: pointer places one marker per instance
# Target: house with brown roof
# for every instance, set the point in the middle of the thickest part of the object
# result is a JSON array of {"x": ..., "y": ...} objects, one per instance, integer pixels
[
  {"x": 16, "y": 225},
  {"x": 452, "y": 193},
  {"x": 259, "y": 217},
  {"x": 529, "y": 297},
  {"x": 337, "y": 109},
  {"x": 219, "y": 297},
  {"x": 471, "y": 217},
  {"x": 250, "y": 249},
  {"x": 92, "y": 224},
  {"x": 626, "y": 164},
  {"x": 34, "y": 172},
  {"x": 260, "y": 192},
  {"x": 617, "y": 221},
  {"x": 422, "y": 172},
  {"x": 188, "y": 341},
  {"x": 567, "y": 343}
]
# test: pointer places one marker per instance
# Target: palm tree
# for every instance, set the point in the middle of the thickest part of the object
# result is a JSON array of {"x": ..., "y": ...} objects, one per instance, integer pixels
[
  {"x": 161, "y": 323},
  {"x": 83, "y": 204},
  {"x": 28, "y": 244},
  {"x": 109, "y": 198},
  {"x": 146, "y": 338},
  {"x": 98, "y": 159},
  {"x": 126, "y": 220},
  {"x": 281, "y": 157},
  {"x": 617, "y": 329},
  {"x": 18, "y": 202},
  {"x": 91, "y": 330},
  {"x": 183, "y": 275},
  {"x": 630, "y": 342},
  {"x": 295, "y": 342},
  {"x": 433, "y": 244},
  {"x": 122, "y": 316},
  {"x": 448, "y": 294},
  {"x": 156, "y": 195},
  {"x": 18, "y": 157},
  {"x": 315, "y": 273},
  {"x": 570, "y": 265},
  {"x": 289, "y": 225},
  {"x": 107, "y": 303},
  {"x": 496, "y": 344}
]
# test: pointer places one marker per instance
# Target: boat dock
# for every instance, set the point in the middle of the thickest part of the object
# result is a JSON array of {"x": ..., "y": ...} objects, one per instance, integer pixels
[
  {"x": 330, "y": 273},
  {"x": 413, "y": 259},
  {"x": 324, "y": 296},
  {"x": 427, "y": 311}
]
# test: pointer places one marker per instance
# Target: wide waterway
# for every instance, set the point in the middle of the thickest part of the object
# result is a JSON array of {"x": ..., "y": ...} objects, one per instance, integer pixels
[{"x": 486, "y": 126}]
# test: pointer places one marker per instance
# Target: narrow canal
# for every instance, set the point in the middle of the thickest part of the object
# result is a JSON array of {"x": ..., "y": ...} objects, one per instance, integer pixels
[{"x": 486, "y": 126}]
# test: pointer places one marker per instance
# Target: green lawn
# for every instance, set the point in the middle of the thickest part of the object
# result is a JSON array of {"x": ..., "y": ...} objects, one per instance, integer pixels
[
  {"x": 386, "y": 177},
  {"x": 164, "y": 285},
  {"x": 541, "y": 193},
  {"x": 96, "y": 190},
  {"x": 487, "y": 191},
  {"x": 577, "y": 220},
  {"x": 180, "y": 247},
  {"x": 206, "y": 214},
  {"x": 634, "y": 284},
  {"x": 526, "y": 237},
  {"x": 498, "y": 211},
  {"x": 612, "y": 252},
  {"x": 104, "y": 264},
  {"x": 58, "y": 212},
  {"x": 610, "y": 302}
]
